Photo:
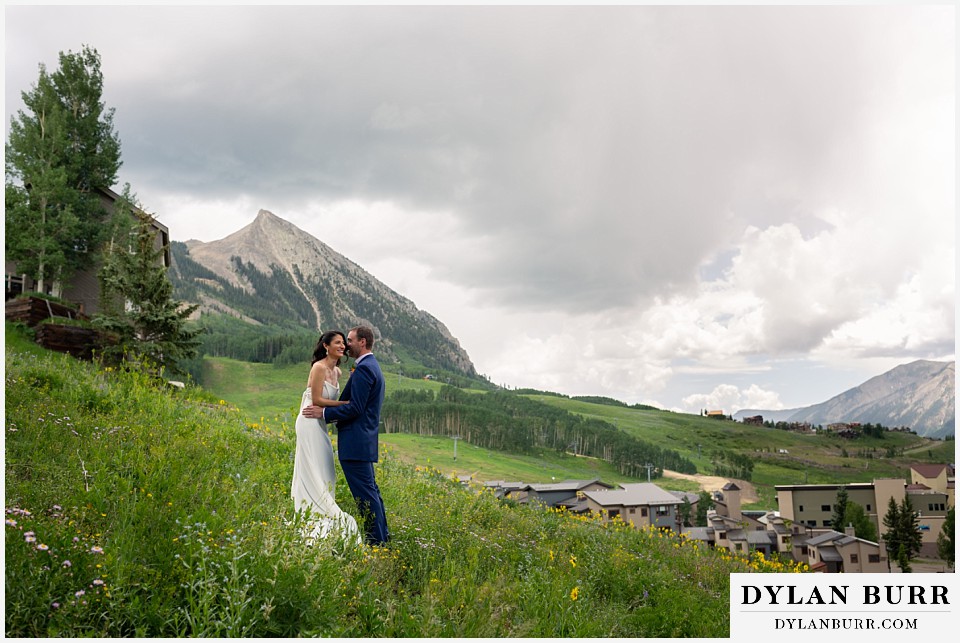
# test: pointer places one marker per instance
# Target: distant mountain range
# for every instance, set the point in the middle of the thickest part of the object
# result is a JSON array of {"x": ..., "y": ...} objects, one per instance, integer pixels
[
  {"x": 273, "y": 273},
  {"x": 920, "y": 395}
]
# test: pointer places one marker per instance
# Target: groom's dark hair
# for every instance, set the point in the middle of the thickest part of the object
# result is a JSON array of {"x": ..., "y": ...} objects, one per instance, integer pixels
[{"x": 365, "y": 332}]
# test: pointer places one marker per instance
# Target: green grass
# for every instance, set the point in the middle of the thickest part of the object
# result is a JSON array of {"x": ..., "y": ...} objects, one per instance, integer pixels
[
  {"x": 264, "y": 391},
  {"x": 269, "y": 395},
  {"x": 810, "y": 458},
  {"x": 136, "y": 510},
  {"x": 481, "y": 464}
]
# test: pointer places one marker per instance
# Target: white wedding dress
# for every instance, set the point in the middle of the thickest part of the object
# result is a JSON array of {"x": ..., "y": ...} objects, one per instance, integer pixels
[{"x": 315, "y": 478}]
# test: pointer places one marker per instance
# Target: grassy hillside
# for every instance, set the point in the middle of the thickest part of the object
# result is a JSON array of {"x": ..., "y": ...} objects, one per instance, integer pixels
[
  {"x": 137, "y": 510},
  {"x": 809, "y": 458},
  {"x": 271, "y": 394}
]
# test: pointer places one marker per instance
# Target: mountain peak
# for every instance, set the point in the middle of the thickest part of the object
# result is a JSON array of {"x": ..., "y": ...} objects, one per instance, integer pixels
[
  {"x": 919, "y": 395},
  {"x": 265, "y": 217},
  {"x": 273, "y": 272}
]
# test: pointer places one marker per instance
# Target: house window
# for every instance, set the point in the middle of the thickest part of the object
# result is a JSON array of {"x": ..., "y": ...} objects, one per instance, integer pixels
[
  {"x": 663, "y": 510},
  {"x": 825, "y": 508},
  {"x": 721, "y": 535},
  {"x": 826, "y": 523},
  {"x": 614, "y": 513},
  {"x": 873, "y": 558},
  {"x": 854, "y": 558},
  {"x": 869, "y": 508},
  {"x": 804, "y": 551},
  {"x": 800, "y": 509},
  {"x": 643, "y": 511},
  {"x": 738, "y": 547},
  {"x": 633, "y": 510}
]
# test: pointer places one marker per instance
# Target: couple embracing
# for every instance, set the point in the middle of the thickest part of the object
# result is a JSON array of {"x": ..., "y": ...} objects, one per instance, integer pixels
[{"x": 357, "y": 415}]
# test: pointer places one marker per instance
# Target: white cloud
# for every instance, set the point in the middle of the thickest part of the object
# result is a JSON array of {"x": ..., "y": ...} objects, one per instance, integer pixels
[
  {"x": 730, "y": 399},
  {"x": 594, "y": 200}
]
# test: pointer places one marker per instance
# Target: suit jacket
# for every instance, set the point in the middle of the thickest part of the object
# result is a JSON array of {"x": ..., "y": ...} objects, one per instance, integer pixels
[{"x": 358, "y": 421}]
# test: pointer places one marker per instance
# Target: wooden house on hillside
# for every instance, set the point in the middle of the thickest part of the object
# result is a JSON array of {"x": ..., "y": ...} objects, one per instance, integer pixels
[{"x": 83, "y": 288}]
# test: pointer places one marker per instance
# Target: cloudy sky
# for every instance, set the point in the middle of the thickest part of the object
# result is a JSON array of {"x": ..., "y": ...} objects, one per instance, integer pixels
[{"x": 695, "y": 207}]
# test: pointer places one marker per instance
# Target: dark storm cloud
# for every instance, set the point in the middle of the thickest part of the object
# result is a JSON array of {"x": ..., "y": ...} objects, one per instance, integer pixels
[{"x": 598, "y": 157}]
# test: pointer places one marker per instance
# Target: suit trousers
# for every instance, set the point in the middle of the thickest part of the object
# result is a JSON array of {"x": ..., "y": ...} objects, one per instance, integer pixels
[{"x": 363, "y": 486}]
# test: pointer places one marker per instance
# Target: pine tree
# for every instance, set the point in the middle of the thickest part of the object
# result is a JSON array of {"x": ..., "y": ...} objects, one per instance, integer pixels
[
  {"x": 945, "y": 539},
  {"x": 891, "y": 523},
  {"x": 910, "y": 527},
  {"x": 59, "y": 152},
  {"x": 863, "y": 526},
  {"x": 686, "y": 512},
  {"x": 704, "y": 504},
  {"x": 902, "y": 537},
  {"x": 839, "y": 517},
  {"x": 136, "y": 297}
]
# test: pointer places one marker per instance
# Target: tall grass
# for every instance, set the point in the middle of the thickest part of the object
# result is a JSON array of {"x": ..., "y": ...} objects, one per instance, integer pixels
[{"x": 134, "y": 510}]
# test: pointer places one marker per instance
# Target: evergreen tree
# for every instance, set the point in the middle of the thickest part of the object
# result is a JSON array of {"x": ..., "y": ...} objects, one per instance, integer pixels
[
  {"x": 704, "y": 505},
  {"x": 863, "y": 526},
  {"x": 891, "y": 524},
  {"x": 945, "y": 539},
  {"x": 903, "y": 538},
  {"x": 136, "y": 297},
  {"x": 686, "y": 512},
  {"x": 838, "y": 520},
  {"x": 59, "y": 152}
]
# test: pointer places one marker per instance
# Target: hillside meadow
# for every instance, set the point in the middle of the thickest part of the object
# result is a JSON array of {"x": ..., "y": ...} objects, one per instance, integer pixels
[
  {"x": 134, "y": 509},
  {"x": 269, "y": 394}
]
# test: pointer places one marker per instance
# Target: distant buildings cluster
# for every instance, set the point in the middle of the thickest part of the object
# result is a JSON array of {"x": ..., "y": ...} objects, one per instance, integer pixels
[{"x": 800, "y": 530}]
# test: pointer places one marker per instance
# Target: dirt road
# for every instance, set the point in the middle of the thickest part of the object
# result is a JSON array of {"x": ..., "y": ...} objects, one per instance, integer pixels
[{"x": 748, "y": 493}]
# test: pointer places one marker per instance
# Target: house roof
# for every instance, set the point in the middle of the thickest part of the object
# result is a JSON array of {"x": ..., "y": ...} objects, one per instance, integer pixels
[
  {"x": 725, "y": 522},
  {"x": 504, "y": 485},
  {"x": 574, "y": 505},
  {"x": 932, "y": 470},
  {"x": 693, "y": 498},
  {"x": 823, "y": 487},
  {"x": 731, "y": 487},
  {"x": 640, "y": 493},
  {"x": 780, "y": 528},
  {"x": 568, "y": 485},
  {"x": 829, "y": 555},
  {"x": 698, "y": 533},
  {"x": 755, "y": 537},
  {"x": 830, "y": 537}
]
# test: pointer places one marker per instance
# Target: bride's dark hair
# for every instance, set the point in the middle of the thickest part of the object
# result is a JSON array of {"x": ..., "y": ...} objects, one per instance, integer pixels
[{"x": 320, "y": 351}]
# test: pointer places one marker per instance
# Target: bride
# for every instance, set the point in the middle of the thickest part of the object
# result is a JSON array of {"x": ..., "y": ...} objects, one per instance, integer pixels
[{"x": 314, "y": 475}]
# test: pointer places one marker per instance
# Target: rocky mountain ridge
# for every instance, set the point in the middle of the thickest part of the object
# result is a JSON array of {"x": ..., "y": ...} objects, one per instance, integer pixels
[
  {"x": 920, "y": 395},
  {"x": 272, "y": 272}
]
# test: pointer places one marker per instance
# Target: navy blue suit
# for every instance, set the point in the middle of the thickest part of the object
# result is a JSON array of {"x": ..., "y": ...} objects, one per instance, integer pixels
[{"x": 358, "y": 424}]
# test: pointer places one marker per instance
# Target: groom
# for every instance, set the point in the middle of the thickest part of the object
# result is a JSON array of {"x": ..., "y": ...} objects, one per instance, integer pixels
[{"x": 358, "y": 422}]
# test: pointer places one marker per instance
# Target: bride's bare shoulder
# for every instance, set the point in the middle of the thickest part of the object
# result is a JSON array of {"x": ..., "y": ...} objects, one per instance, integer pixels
[{"x": 318, "y": 370}]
